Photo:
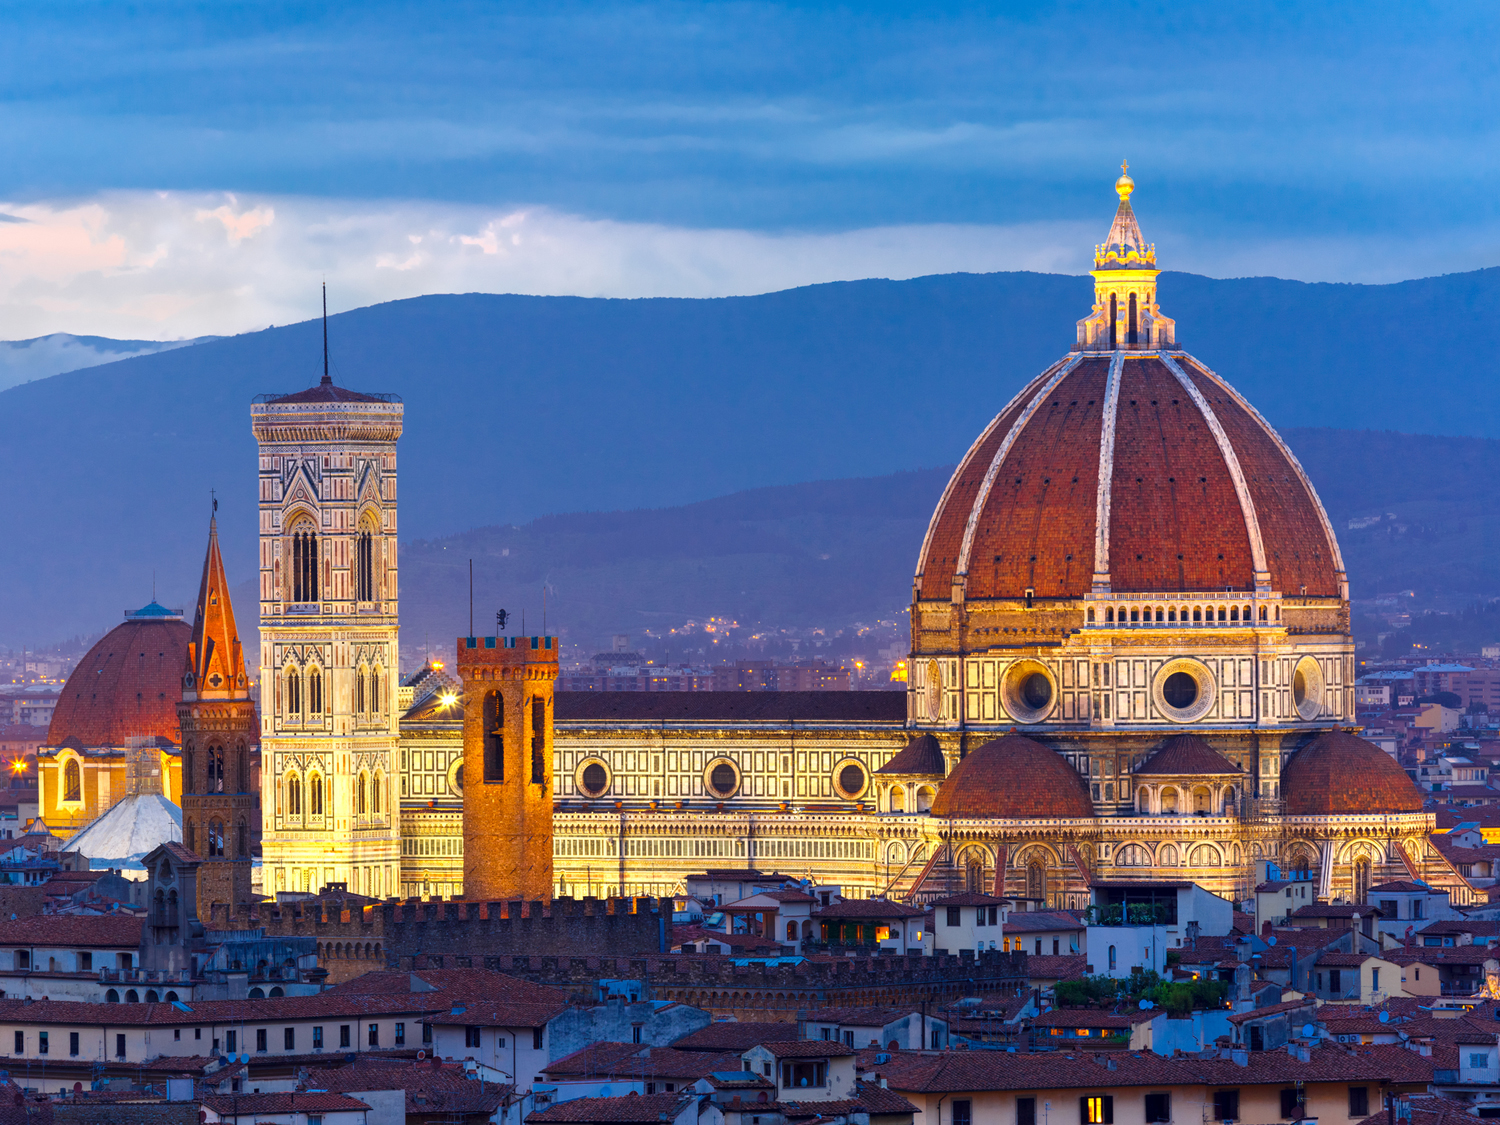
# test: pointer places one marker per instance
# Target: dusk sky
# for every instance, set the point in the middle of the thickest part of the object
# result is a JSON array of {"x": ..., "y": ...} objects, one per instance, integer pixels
[{"x": 174, "y": 170}]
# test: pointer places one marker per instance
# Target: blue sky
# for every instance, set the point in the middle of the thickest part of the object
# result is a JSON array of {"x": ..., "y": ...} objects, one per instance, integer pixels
[{"x": 707, "y": 148}]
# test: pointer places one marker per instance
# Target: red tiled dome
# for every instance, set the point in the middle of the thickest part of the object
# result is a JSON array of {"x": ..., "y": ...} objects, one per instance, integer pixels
[
  {"x": 1013, "y": 778},
  {"x": 1023, "y": 509},
  {"x": 129, "y": 684},
  {"x": 1339, "y": 773}
]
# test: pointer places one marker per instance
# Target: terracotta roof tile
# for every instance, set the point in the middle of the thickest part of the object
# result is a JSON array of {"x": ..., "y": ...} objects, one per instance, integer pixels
[
  {"x": 633, "y": 1108},
  {"x": 731, "y": 706},
  {"x": 1188, "y": 754},
  {"x": 922, "y": 756},
  {"x": 735, "y": 1035},
  {"x": 1339, "y": 773},
  {"x": 129, "y": 683},
  {"x": 1013, "y": 778}
]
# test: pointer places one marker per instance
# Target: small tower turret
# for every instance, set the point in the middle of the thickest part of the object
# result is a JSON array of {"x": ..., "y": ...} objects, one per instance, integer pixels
[{"x": 1126, "y": 315}]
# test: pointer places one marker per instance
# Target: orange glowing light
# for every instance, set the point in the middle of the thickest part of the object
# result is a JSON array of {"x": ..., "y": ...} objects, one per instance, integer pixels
[
  {"x": 18, "y": 766},
  {"x": 437, "y": 665}
]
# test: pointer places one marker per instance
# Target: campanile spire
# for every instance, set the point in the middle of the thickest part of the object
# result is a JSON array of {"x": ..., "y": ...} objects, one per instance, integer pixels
[
  {"x": 216, "y": 661},
  {"x": 1126, "y": 315}
]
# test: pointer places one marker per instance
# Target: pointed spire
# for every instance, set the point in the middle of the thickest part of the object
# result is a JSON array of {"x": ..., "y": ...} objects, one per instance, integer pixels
[
  {"x": 215, "y": 660},
  {"x": 1125, "y": 248},
  {"x": 327, "y": 380}
]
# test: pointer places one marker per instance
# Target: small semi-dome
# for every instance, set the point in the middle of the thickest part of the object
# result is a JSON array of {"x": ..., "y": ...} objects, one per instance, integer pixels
[
  {"x": 129, "y": 683},
  {"x": 921, "y": 757},
  {"x": 1187, "y": 755},
  {"x": 1013, "y": 778},
  {"x": 1340, "y": 773}
]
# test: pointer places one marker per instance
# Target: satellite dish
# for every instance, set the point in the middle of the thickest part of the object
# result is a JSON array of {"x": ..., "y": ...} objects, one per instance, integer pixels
[
  {"x": 1308, "y": 1030},
  {"x": 1385, "y": 1017},
  {"x": 1271, "y": 940},
  {"x": 1146, "y": 1005}
]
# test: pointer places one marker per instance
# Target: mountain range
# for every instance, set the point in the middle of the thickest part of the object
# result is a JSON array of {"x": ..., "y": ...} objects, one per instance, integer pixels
[{"x": 517, "y": 407}]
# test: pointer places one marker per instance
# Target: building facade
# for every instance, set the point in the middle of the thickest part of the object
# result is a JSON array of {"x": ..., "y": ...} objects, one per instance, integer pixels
[{"x": 329, "y": 646}]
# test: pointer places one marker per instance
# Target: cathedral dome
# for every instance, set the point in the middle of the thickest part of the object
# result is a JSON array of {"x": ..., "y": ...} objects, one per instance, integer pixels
[
  {"x": 1013, "y": 778},
  {"x": 1338, "y": 773},
  {"x": 1129, "y": 467},
  {"x": 128, "y": 684}
]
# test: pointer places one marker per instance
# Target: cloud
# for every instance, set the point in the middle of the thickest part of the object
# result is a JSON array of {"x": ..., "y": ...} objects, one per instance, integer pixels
[{"x": 170, "y": 265}]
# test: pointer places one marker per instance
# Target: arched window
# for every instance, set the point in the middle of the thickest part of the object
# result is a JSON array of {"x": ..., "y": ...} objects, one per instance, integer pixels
[
  {"x": 898, "y": 798},
  {"x": 359, "y": 691},
  {"x": 538, "y": 740},
  {"x": 215, "y": 777},
  {"x": 112, "y": 997},
  {"x": 1221, "y": 613},
  {"x": 1160, "y": 615},
  {"x": 1172, "y": 614},
  {"x": 1197, "y": 615},
  {"x": 1142, "y": 800},
  {"x": 304, "y": 561},
  {"x": 791, "y": 931},
  {"x": 315, "y": 794},
  {"x": 1109, "y": 615},
  {"x": 1036, "y": 880},
  {"x": 1361, "y": 880},
  {"x": 1133, "y": 855},
  {"x": 314, "y": 691},
  {"x": 364, "y": 565},
  {"x": 360, "y": 795},
  {"x": 1168, "y": 801},
  {"x": 1166, "y": 856},
  {"x": 72, "y": 781},
  {"x": 293, "y": 694},
  {"x": 1245, "y": 614},
  {"x": 215, "y": 839},
  {"x": 293, "y": 795},
  {"x": 1135, "y": 616},
  {"x": 376, "y": 786},
  {"x": 1114, "y": 321},
  {"x": 1234, "y": 613},
  {"x": 494, "y": 737},
  {"x": 1205, "y": 856},
  {"x": 241, "y": 840},
  {"x": 1132, "y": 319},
  {"x": 1262, "y": 613},
  {"x": 375, "y": 690},
  {"x": 1091, "y": 615}
]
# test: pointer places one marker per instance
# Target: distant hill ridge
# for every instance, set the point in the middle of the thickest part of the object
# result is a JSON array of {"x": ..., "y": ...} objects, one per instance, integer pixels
[{"x": 519, "y": 406}]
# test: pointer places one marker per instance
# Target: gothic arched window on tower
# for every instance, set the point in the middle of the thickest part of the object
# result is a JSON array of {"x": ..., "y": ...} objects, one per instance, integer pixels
[
  {"x": 375, "y": 690},
  {"x": 359, "y": 691},
  {"x": 494, "y": 737},
  {"x": 376, "y": 787},
  {"x": 216, "y": 839},
  {"x": 72, "y": 781},
  {"x": 1132, "y": 337},
  {"x": 293, "y": 795},
  {"x": 293, "y": 694},
  {"x": 1114, "y": 322},
  {"x": 538, "y": 740},
  {"x": 304, "y": 561},
  {"x": 315, "y": 794},
  {"x": 314, "y": 691},
  {"x": 364, "y": 564},
  {"x": 359, "y": 795},
  {"x": 241, "y": 840},
  {"x": 215, "y": 769}
]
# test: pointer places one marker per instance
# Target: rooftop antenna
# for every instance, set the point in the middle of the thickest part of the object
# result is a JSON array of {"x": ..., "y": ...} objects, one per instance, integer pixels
[
  {"x": 471, "y": 597},
  {"x": 326, "y": 380}
]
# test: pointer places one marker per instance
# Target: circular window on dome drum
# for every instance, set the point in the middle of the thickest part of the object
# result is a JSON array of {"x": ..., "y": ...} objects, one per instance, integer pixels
[
  {"x": 722, "y": 778},
  {"x": 1307, "y": 688},
  {"x": 850, "y": 779},
  {"x": 1183, "y": 690},
  {"x": 1030, "y": 691},
  {"x": 592, "y": 777},
  {"x": 456, "y": 777}
]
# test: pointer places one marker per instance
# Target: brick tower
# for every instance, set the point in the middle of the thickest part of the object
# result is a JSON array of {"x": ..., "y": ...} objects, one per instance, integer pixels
[
  {"x": 219, "y": 727},
  {"x": 507, "y": 776}
]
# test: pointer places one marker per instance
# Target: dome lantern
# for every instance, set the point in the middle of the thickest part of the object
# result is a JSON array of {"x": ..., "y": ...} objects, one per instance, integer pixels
[{"x": 1125, "y": 314}]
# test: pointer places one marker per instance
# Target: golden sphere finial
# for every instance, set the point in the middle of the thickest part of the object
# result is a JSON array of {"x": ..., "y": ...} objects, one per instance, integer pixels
[{"x": 1124, "y": 185}]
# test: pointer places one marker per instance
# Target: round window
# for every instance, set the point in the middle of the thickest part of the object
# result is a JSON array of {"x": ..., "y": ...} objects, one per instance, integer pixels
[
  {"x": 1307, "y": 688},
  {"x": 456, "y": 778},
  {"x": 1183, "y": 690},
  {"x": 594, "y": 779},
  {"x": 1029, "y": 691},
  {"x": 723, "y": 778},
  {"x": 1180, "y": 690},
  {"x": 1036, "y": 691},
  {"x": 851, "y": 780}
]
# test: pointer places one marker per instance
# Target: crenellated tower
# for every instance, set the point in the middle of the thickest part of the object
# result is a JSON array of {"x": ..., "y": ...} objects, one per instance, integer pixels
[
  {"x": 328, "y": 625},
  {"x": 219, "y": 731},
  {"x": 507, "y": 771}
]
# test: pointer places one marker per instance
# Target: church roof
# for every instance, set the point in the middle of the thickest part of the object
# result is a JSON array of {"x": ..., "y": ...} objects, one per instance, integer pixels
[
  {"x": 124, "y": 835},
  {"x": 215, "y": 659},
  {"x": 1187, "y": 754},
  {"x": 922, "y": 755},
  {"x": 128, "y": 684},
  {"x": 326, "y": 392}
]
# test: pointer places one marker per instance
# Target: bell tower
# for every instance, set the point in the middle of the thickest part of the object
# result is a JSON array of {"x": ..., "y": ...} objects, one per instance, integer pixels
[
  {"x": 507, "y": 771},
  {"x": 328, "y": 638},
  {"x": 219, "y": 728}
]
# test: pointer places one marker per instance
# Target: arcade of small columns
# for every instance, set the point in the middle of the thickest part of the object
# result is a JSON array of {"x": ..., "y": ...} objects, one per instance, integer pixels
[{"x": 1050, "y": 860}]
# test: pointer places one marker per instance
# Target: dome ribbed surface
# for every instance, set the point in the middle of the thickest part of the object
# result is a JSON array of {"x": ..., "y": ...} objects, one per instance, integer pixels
[
  {"x": 1013, "y": 778},
  {"x": 1175, "y": 517},
  {"x": 129, "y": 684},
  {"x": 1340, "y": 773}
]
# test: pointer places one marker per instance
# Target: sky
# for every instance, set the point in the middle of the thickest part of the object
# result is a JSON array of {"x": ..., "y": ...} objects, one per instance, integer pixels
[{"x": 178, "y": 170}]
